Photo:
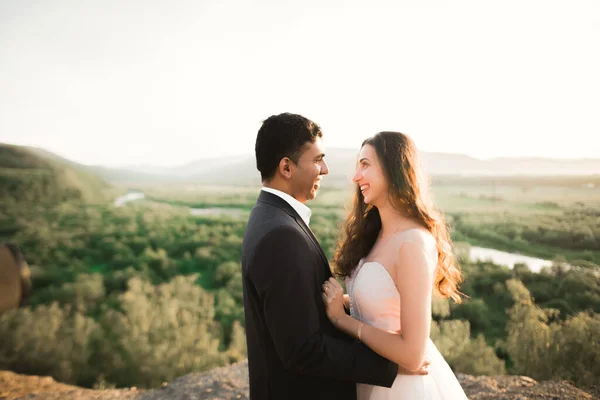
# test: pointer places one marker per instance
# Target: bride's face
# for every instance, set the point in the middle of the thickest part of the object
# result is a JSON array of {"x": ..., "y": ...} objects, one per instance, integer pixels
[{"x": 369, "y": 176}]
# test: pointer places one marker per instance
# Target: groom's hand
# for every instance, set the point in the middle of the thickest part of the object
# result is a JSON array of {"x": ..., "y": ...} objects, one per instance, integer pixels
[{"x": 424, "y": 370}]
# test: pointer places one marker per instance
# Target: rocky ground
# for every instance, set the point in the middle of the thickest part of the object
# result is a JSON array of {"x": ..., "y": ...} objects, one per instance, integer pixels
[
  {"x": 231, "y": 382},
  {"x": 15, "y": 386}
]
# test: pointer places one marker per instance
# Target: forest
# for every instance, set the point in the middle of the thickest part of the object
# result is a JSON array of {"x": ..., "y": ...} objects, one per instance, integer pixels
[{"x": 146, "y": 292}]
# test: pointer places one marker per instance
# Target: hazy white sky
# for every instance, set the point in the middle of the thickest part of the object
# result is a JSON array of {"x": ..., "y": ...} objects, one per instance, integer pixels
[{"x": 165, "y": 82}]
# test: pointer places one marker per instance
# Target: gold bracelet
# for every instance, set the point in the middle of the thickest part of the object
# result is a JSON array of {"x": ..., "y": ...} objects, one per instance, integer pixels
[{"x": 360, "y": 331}]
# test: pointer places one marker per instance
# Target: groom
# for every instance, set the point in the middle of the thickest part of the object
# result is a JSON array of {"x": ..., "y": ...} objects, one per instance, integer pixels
[{"x": 294, "y": 352}]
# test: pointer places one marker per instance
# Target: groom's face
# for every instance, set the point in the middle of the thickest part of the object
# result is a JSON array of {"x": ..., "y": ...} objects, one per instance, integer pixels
[{"x": 307, "y": 173}]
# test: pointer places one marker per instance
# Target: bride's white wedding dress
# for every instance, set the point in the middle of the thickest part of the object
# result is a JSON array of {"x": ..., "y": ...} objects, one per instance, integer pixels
[{"x": 374, "y": 300}]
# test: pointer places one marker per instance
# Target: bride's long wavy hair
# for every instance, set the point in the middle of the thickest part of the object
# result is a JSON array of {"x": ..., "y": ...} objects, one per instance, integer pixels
[{"x": 408, "y": 193}]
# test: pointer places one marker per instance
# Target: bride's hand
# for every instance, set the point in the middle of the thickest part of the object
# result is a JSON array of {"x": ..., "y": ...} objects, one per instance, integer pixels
[
  {"x": 423, "y": 370},
  {"x": 333, "y": 297}
]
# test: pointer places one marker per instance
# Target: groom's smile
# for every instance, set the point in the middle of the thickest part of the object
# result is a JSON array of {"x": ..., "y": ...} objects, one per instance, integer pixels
[
  {"x": 317, "y": 184},
  {"x": 309, "y": 171}
]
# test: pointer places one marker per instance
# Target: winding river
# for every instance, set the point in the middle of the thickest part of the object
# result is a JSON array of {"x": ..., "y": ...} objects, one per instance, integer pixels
[{"x": 508, "y": 259}]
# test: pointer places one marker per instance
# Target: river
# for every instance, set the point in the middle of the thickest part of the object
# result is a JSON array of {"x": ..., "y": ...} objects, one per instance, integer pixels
[
  {"x": 131, "y": 196},
  {"x": 508, "y": 259}
]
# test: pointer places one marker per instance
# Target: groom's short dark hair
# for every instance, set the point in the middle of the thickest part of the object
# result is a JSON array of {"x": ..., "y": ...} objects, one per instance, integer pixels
[{"x": 283, "y": 135}]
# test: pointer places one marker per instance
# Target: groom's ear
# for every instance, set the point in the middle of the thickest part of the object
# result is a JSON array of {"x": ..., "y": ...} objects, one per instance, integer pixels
[{"x": 285, "y": 167}]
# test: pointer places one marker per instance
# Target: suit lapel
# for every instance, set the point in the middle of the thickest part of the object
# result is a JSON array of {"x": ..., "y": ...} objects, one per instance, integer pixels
[
  {"x": 278, "y": 202},
  {"x": 310, "y": 234}
]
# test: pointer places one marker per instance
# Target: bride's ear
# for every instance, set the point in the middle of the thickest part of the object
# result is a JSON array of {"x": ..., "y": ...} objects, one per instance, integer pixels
[{"x": 285, "y": 167}]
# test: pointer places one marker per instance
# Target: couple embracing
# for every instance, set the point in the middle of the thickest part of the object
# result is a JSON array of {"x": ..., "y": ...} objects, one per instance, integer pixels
[{"x": 306, "y": 338}]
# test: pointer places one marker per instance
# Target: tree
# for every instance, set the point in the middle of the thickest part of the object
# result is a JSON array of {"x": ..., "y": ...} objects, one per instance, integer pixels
[
  {"x": 558, "y": 350},
  {"x": 86, "y": 291},
  {"x": 478, "y": 358},
  {"x": 226, "y": 271},
  {"x": 237, "y": 347},
  {"x": 528, "y": 335},
  {"x": 162, "y": 332},
  {"x": 48, "y": 340},
  {"x": 476, "y": 312},
  {"x": 463, "y": 354},
  {"x": 450, "y": 337},
  {"x": 440, "y": 307}
]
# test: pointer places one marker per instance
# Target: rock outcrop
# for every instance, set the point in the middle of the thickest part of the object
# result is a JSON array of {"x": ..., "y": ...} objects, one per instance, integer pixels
[{"x": 229, "y": 383}]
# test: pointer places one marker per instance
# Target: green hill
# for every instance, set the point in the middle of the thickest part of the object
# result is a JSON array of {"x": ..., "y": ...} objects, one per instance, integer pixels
[{"x": 33, "y": 175}]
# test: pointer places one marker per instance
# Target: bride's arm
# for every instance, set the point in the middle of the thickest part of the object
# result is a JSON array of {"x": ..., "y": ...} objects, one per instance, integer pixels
[{"x": 414, "y": 273}]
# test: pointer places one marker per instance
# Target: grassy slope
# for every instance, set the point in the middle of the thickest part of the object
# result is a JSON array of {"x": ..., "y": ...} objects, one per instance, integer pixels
[{"x": 29, "y": 174}]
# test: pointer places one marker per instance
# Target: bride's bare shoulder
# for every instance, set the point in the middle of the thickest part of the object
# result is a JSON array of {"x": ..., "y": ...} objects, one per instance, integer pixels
[
  {"x": 416, "y": 243},
  {"x": 419, "y": 236}
]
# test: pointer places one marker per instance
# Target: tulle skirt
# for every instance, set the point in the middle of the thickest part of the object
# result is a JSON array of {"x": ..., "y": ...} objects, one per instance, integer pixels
[{"x": 440, "y": 384}]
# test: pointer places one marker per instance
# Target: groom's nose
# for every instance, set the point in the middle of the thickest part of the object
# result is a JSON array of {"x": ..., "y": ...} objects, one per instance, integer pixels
[{"x": 324, "y": 168}]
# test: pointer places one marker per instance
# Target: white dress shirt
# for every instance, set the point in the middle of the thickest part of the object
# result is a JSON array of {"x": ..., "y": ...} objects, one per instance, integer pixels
[{"x": 303, "y": 211}]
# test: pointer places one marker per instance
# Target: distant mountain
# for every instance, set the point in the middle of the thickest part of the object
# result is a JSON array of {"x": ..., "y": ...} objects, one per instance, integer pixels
[
  {"x": 36, "y": 175},
  {"x": 202, "y": 166},
  {"x": 241, "y": 170},
  {"x": 198, "y": 167}
]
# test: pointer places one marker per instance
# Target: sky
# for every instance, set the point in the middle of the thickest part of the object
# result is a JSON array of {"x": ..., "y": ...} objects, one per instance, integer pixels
[{"x": 119, "y": 82}]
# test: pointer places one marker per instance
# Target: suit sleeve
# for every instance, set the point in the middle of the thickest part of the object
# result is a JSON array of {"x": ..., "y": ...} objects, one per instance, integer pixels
[{"x": 285, "y": 281}]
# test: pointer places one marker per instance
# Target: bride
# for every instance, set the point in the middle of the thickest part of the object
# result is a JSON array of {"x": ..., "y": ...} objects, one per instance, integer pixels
[{"x": 394, "y": 253}]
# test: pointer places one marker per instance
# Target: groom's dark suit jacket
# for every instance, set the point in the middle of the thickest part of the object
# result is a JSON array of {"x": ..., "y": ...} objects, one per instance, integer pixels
[{"x": 294, "y": 352}]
